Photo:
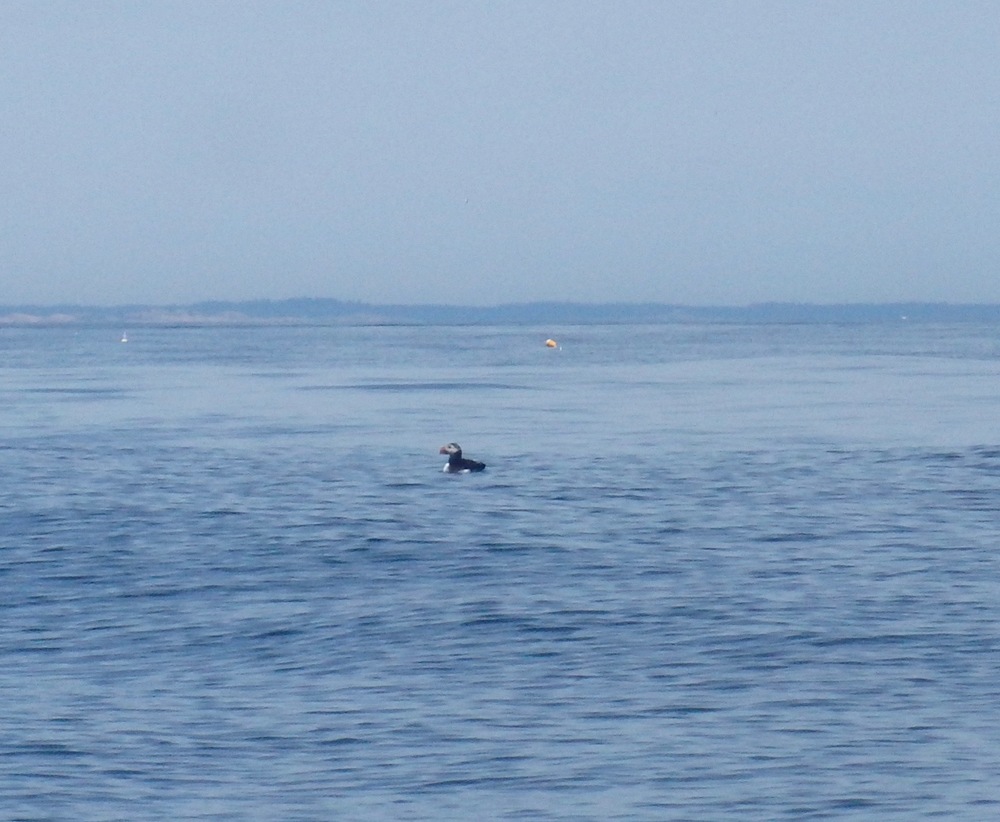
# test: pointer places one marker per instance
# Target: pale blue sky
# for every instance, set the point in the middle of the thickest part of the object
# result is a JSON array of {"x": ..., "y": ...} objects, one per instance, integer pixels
[{"x": 485, "y": 152}]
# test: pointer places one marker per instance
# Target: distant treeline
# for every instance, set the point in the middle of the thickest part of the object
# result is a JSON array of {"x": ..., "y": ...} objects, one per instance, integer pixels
[{"x": 329, "y": 311}]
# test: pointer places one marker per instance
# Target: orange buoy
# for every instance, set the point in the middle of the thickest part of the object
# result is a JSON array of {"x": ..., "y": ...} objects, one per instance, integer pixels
[{"x": 550, "y": 343}]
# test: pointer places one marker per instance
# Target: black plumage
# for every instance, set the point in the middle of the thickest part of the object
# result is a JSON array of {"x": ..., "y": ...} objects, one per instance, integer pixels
[{"x": 457, "y": 464}]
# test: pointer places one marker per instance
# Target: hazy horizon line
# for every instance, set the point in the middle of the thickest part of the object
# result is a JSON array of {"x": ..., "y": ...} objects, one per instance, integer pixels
[
  {"x": 330, "y": 311},
  {"x": 249, "y": 301}
]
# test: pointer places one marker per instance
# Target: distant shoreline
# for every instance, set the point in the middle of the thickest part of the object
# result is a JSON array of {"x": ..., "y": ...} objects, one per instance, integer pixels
[{"x": 308, "y": 311}]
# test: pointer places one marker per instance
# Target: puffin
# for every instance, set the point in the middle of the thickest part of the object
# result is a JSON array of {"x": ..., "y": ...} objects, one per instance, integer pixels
[{"x": 457, "y": 464}]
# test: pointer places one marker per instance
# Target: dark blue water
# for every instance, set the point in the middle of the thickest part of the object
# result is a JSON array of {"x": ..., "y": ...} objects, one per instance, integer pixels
[{"x": 711, "y": 572}]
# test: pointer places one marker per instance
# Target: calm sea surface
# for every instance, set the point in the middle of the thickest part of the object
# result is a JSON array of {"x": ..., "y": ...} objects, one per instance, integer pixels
[{"x": 711, "y": 572}]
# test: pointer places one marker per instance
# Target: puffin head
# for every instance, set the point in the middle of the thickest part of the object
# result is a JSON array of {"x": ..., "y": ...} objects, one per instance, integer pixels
[{"x": 451, "y": 448}]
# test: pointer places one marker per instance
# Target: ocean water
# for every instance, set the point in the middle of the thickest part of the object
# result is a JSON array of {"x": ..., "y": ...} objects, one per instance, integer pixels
[{"x": 711, "y": 572}]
